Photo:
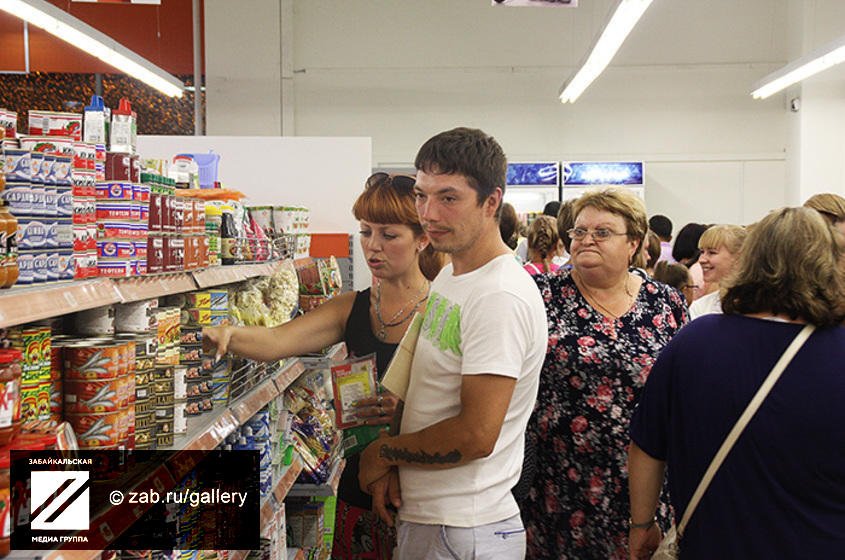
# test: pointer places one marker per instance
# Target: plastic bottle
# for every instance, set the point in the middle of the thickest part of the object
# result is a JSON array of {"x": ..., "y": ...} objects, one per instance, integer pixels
[
  {"x": 124, "y": 130},
  {"x": 95, "y": 128}
]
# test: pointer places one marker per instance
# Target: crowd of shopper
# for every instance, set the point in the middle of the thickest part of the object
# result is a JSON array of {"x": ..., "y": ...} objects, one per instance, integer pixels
[{"x": 589, "y": 370}]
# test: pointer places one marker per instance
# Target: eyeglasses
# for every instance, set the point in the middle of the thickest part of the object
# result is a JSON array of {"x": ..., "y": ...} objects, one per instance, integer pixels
[
  {"x": 401, "y": 182},
  {"x": 598, "y": 234}
]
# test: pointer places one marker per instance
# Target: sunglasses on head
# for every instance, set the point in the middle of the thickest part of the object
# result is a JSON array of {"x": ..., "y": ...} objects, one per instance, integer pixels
[{"x": 402, "y": 182}]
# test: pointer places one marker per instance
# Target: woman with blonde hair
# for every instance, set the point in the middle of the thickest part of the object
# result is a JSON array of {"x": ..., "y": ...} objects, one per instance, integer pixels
[
  {"x": 543, "y": 245},
  {"x": 720, "y": 248},
  {"x": 831, "y": 206},
  {"x": 780, "y": 492},
  {"x": 607, "y": 324}
]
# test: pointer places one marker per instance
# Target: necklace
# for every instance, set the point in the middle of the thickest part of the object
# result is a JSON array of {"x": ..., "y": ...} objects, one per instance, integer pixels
[
  {"x": 395, "y": 320},
  {"x": 594, "y": 299}
]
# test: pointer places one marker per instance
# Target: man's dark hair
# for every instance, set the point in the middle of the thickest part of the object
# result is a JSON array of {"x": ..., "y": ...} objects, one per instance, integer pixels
[
  {"x": 662, "y": 226},
  {"x": 552, "y": 208},
  {"x": 469, "y": 152},
  {"x": 685, "y": 250}
]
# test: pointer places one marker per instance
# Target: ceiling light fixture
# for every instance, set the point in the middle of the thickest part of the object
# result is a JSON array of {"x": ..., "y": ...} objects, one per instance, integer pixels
[
  {"x": 812, "y": 63},
  {"x": 625, "y": 16},
  {"x": 57, "y": 22}
]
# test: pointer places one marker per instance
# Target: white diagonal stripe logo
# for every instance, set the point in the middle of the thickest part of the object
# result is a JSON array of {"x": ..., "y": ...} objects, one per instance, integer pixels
[{"x": 60, "y": 500}]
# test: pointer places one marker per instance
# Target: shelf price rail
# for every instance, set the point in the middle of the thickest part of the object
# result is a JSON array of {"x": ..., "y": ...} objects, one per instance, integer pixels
[{"x": 26, "y": 304}]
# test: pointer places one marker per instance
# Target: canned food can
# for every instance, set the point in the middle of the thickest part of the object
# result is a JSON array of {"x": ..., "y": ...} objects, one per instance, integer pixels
[
  {"x": 85, "y": 360},
  {"x": 19, "y": 198},
  {"x": 29, "y": 401},
  {"x": 98, "y": 430},
  {"x": 94, "y": 396},
  {"x": 16, "y": 165}
]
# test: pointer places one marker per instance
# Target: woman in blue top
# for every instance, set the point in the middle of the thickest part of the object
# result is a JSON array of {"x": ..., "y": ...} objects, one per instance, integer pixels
[{"x": 781, "y": 491}]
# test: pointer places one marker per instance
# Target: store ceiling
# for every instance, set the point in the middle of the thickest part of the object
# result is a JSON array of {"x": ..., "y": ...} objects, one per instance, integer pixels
[{"x": 390, "y": 34}]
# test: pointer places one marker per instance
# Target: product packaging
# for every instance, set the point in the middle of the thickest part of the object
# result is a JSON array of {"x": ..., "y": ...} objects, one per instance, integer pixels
[{"x": 353, "y": 380}]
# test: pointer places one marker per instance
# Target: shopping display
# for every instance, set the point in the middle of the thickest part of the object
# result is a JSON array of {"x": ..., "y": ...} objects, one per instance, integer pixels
[
  {"x": 83, "y": 203},
  {"x": 120, "y": 366}
]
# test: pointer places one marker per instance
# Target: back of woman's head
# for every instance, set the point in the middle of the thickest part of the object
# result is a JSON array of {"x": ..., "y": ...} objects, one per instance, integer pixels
[
  {"x": 652, "y": 244},
  {"x": 686, "y": 242},
  {"x": 791, "y": 265},
  {"x": 831, "y": 206},
  {"x": 390, "y": 199},
  {"x": 565, "y": 222},
  {"x": 542, "y": 237},
  {"x": 727, "y": 236},
  {"x": 508, "y": 224},
  {"x": 672, "y": 274}
]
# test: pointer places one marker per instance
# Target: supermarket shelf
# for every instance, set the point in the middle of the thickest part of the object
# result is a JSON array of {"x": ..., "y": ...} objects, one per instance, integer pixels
[
  {"x": 219, "y": 275},
  {"x": 209, "y": 430},
  {"x": 246, "y": 406},
  {"x": 32, "y": 303},
  {"x": 288, "y": 375},
  {"x": 320, "y": 490},
  {"x": 25, "y": 304},
  {"x": 149, "y": 287},
  {"x": 283, "y": 486},
  {"x": 336, "y": 353}
]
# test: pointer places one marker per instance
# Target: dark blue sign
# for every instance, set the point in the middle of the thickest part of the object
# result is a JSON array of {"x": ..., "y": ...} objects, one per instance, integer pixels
[
  {"x": 544, "y": 173},
  {"x": 603, "y": 173}
]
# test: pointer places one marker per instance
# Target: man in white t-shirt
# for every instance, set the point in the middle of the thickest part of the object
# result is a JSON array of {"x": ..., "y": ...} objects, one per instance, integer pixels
[{"x": 475, "y": 372}]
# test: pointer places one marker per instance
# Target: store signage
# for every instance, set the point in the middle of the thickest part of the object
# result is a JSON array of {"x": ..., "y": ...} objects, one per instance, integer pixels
[
  {"x": 602, "y": 173},
  {"x": 534, "y": 174}
]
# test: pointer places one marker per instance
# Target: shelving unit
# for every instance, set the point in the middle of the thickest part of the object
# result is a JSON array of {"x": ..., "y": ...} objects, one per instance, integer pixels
[
  {"x": 280, "y": 491},
  {"x": 21, "y": 305},
  {"x": 209, "y": 430},
  {"x": 27, "y": 304},
  {"x": 33, "y": 303},
  {"x": 320, "y": 490}
]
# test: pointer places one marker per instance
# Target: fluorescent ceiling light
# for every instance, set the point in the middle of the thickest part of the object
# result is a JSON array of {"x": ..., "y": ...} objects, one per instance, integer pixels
[
  {"x": 812, "y": 63},
  {"x": 57, "y": 22},
  {"x": 625, "y": 16}
]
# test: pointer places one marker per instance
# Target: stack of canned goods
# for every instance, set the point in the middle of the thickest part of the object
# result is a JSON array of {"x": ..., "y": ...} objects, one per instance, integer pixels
[
  {"x": 177, "y": 226},
  {"x": 99, "y": 391},
  {"x": 167, "y": 358},
  {"x": 38, "y": 191},
  {"x": 37, "y": 375},
  {"x": 122, "y": 217},
  {"x": 146, "y": 347}
]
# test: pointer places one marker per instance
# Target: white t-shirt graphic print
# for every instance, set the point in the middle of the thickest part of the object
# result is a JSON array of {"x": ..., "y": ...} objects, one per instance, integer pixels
[{"x": 488, "y": 321}]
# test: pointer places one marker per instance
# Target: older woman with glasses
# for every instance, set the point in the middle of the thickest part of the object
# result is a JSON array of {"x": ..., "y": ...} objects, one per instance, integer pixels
[
  {"x": 371, "y": 321},
  {"x": 606, "y": 327}
]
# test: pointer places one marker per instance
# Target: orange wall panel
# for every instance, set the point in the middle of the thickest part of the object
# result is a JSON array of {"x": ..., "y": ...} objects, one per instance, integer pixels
[{"x": 162, "y": 34}]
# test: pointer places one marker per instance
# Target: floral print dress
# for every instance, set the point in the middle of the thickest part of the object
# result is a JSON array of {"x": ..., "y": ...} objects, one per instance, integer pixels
[{"x": 595, "y": 368}]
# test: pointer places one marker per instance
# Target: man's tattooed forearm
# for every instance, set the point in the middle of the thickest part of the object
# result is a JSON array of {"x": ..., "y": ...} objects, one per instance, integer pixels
[{"x": 419, "y": 457}]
